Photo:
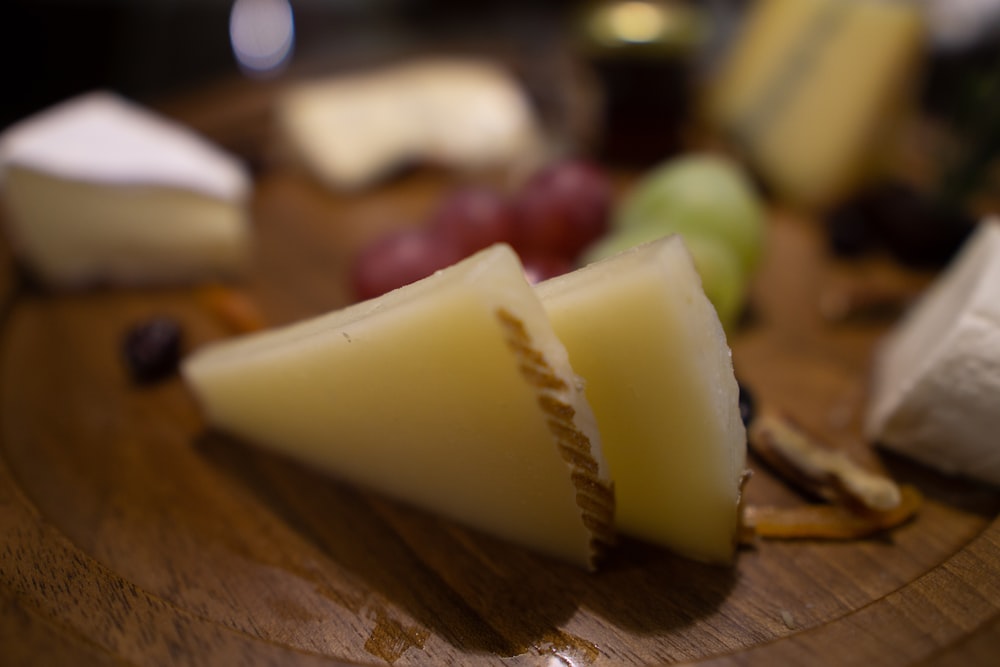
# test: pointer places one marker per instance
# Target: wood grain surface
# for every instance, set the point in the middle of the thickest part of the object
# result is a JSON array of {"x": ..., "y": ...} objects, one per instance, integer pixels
[{"x": 129, "y": 533}]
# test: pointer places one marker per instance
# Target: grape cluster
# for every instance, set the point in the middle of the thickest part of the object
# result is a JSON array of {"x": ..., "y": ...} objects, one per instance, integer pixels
[
  {"x": 549, "y": 220},
  {"x": 710, "y": 201}
]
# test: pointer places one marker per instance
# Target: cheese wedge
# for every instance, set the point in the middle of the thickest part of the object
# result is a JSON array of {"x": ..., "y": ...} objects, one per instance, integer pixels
[
  {"x": 101, "y": 190},
  {"x": 461, "y": 113},
  {"x": 935, "y": 392},
  {"x": 451, "y": 393},
  {"x": 660, "y": 379},
  {"x": 812, "y": 89}
]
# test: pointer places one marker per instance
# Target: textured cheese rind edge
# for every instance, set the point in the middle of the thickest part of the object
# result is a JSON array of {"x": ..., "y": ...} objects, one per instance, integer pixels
[
  {"x": 560, "y": 392},
  {"x": 100, "y": 137},
  {"x": 935, "y": 386},
  {"x": 671, "y": 248}
]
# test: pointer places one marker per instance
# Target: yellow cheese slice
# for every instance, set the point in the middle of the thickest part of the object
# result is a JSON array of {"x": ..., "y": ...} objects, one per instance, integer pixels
[
  {"x": 812, "y": 88},
  {"x": 452, "y": 393},
  {"x": 660, "y": 379}
]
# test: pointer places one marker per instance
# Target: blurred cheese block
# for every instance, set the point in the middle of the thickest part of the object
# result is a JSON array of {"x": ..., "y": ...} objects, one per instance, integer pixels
[
  {"x": 452, "y": 393},
  {"x": 354, "y": 129},
  {"x": 100, "y": 190},
  {"x": 660, "y": 379},
  {"x": 936, "y": 384},
  {"x": 812, "y": 87}
]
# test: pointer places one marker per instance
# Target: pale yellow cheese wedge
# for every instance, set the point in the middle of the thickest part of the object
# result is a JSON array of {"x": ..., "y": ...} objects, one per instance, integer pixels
[
  {"x": 660, "y": 379},
  {"x": 452, "y": 393},
  {"x": 812, "y": 89},
  {"x": 99, "y": 189}
]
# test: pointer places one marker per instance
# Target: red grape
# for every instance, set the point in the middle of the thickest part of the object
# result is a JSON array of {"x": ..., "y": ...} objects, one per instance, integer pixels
[
  {"x": 400, "y": 258},
  {"x": 562, "y": 209},
  {"x": 542, "y": 267},
  {"x": 474, "y": 218}
]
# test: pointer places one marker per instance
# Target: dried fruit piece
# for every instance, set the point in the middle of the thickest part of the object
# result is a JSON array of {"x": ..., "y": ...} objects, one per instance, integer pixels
[
  {"x": 236, "y": 309},
  {"x": 152, "y": 349},
  {"x": 827, "y": 473},
  {"x": 833, "y": 522}
]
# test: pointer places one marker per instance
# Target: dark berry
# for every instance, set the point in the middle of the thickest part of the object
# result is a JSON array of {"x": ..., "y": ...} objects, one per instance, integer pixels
[
  {"x": 152, "y": 349},
  {"x": 849, "y": 229},
  {"x": 747, "y": 404},
  {"x": 916, "y": 229}
]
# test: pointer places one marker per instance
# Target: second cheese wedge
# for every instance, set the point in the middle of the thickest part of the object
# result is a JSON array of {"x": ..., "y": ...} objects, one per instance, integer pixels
[
  {"x": 660, "y": 379},
  {"x": 452, "y": 393}
]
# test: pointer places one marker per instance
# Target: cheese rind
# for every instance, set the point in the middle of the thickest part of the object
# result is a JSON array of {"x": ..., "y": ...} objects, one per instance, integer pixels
[
  {"x": 451, "y": 393},
  {"x": 660, "y": 379},
  {"x": 101, "y": 137},
  {"x": 98, "y": 189},
  {"x": 935, "y": 392}
]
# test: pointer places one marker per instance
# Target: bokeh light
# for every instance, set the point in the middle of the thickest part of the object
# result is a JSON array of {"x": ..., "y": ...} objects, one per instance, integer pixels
[{"x": 262, "y": 33}]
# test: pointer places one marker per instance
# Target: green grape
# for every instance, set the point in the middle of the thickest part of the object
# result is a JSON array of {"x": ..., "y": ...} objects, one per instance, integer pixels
[
  {"x": 617, "y": 241},
  {"x": 722, "y": 275},
  {"x": 702, "y": 195}
]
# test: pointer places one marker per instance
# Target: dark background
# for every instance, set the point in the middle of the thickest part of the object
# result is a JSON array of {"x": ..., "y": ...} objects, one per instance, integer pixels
[{"x": 51, "y": 49}]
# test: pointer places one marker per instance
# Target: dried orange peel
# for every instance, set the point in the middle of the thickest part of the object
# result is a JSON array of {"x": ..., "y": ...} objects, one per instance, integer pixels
[
  {"x": 233, "y": 307},
  {"x": 831, "y": 522},
  {"x": 859, "y": 502}
]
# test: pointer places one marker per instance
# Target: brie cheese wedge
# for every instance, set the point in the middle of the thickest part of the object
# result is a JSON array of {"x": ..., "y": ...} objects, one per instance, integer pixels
[
  {"x": 936, "y": 382},
  {"x": 660, "y": 379},
  {"x": 452, "y": 393},
  {"x": 101, "y": 190}
]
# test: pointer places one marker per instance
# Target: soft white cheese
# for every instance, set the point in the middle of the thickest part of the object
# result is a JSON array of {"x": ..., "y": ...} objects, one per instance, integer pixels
[
  {"x": 936, "y": 381},
  {"x": 100, "y": 189}
]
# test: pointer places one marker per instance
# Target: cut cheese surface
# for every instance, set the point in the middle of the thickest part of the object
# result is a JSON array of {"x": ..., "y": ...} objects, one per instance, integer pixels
[
  {"x": 660, "y": 380},
  {"x": 98, "y": 189},
  {"x": 452, "y": 393},
  {"x": 936, "y": 379}
]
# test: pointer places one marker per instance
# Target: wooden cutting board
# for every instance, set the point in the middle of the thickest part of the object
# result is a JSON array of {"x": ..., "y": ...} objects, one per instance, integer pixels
[{"x": 129, "y": 533}]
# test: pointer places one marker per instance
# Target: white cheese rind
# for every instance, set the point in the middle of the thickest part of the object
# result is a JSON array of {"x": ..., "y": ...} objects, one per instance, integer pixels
[
  {"x": 101, "y": 137},
  {"x": 935, "y": 392},
  {"x": 660, "y": 379},
  {"x": 451, "y": 393},
  {"x": 101, "y": 191}
]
